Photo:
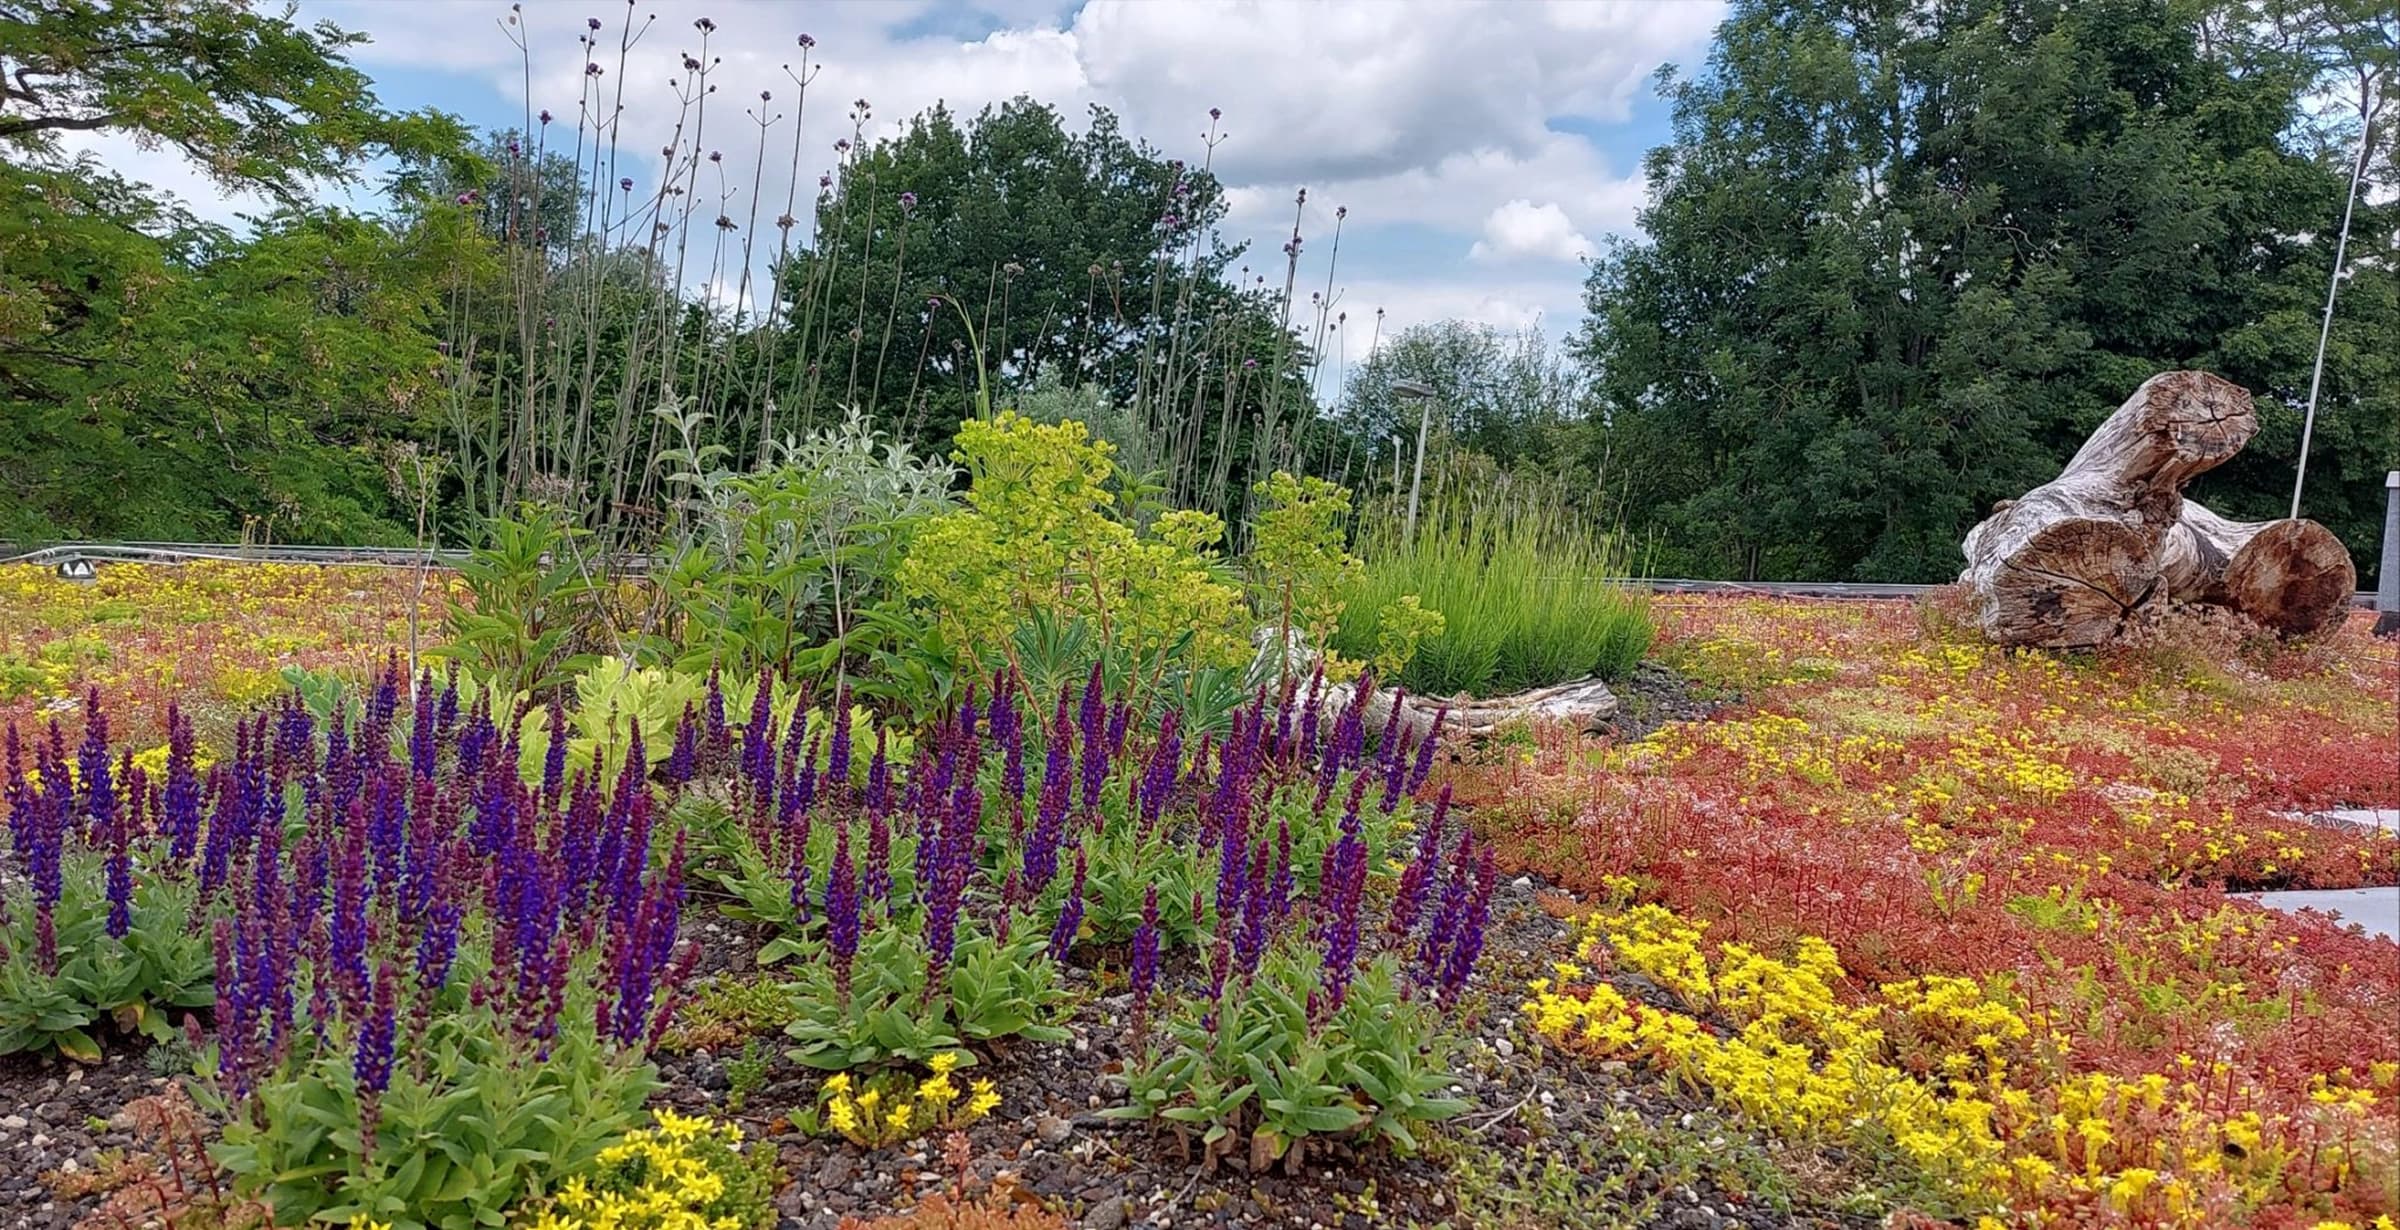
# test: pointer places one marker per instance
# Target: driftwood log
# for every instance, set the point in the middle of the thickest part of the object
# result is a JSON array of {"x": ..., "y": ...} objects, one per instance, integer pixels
[{"x": 2066, "y": 564}]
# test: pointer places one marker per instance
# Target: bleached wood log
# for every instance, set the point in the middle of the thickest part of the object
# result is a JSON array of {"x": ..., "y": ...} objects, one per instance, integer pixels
[
  {"x": 2064, "y": 564},
  {"x": 2291, "y": 576}
]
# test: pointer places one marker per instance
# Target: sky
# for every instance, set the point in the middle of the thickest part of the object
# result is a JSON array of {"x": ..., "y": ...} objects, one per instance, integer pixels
[{"x": 1481, "y": 151}]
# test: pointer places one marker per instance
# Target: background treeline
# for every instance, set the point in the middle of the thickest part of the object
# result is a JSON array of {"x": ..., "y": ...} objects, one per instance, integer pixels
[{"x": 1898, "y": 258}]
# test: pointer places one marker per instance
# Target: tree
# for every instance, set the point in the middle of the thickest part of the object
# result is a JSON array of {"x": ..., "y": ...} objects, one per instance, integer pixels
[
  {"x": 960, "y": 258},
  {"x": 1511, "y": 396},
  {"x": 253, "y": 101},
  {"x": 1902, "y": 257},
  {"x": 215, "y": 379}
]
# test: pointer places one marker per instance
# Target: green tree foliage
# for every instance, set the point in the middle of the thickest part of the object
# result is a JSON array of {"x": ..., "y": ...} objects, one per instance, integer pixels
[
  {"x": 1902, "y": 256},
  {"x": 160, "y": 377},
  {"x": 1514, "y": 397},
  {"x": 994, "y": 253}
]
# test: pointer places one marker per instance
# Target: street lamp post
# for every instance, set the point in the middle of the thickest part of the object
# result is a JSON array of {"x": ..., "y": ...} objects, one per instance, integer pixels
[{"x": 1422, "y": 393}]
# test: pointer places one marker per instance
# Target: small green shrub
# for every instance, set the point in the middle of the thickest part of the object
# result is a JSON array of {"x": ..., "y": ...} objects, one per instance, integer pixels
[
  {"x": 1268, "y": 1076},
  {"x": 1040, "y": 533},
  {"x": 163, "y": 961},
  {"x": 1527, "y": 590},
  {"x": 991, "y": 989}
]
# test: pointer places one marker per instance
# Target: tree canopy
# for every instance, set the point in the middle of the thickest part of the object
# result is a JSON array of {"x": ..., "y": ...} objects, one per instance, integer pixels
[{"x": 1900, "y": 257}]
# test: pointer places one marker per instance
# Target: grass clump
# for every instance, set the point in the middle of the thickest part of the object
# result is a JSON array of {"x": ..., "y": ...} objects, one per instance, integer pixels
[{"x": 1529, "y": 590}]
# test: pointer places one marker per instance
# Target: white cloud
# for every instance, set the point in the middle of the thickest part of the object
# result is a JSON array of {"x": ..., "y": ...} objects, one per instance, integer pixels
[
  {"x": 1523, "y": 229},
  {"x": 1435, "y": 115}
]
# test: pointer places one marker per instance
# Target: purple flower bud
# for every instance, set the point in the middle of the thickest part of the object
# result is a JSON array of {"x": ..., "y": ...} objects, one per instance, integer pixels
[
  {"x": 625, "y": 184},
  {"x": 825, "y": 181},
  {"x": 592, "y": 23},
  {"x": 908, "y": 201},
  {"x": 1425, "y": 751},
  {"x": 1215, "y": 114},
  {"x": 808, "y": 40},
  {"x": 1408, "y": 900},
  {"x": 591, "y": 70},
  {"x": 1459, "y": 966},
  {"x": 545, "y": 117}
]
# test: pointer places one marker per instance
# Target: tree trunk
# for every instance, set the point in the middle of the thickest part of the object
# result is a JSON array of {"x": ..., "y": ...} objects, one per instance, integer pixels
[
  {"x": 2291, "y": 576},
  {"x": 2067, "y": 562}
]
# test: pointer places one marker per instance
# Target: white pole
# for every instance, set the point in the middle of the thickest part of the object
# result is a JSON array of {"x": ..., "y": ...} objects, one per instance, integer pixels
[
  {"x": 2333, "y": 286},
  {"x": 1424, "y": 421}
]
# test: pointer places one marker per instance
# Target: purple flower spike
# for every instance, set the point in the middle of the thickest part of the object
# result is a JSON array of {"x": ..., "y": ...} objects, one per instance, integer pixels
[
  {"x": 1426, "y": 749},
  {"x": 1468, "y": 944},
  {"x": 1070, "y": 916},
  {"x": 371, "y": 1065},
  {"x": 1408, "y": 901},
  {"x": 1143, "y": 975},
  {"x": 837, "y": 758},
  {"x": 841, "y": 911}
]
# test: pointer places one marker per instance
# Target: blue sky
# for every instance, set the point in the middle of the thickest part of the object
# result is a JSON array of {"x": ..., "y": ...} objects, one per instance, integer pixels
[{"x": 1481, "y": 149}]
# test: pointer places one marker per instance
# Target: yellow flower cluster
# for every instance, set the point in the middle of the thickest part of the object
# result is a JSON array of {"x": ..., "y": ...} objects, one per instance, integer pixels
[
  {"x": 882, "y": 1114},
  {"x": 1943, "y": 1069},
  {"x": 685, "y": 1173}
]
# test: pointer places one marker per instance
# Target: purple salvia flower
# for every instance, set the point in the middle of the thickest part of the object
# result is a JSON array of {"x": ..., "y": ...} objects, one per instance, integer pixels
[
  {"x": 371, "y": 1066},
  {"x": 837, "y": 756},
  {"x": 554, "y": 758},
  {"x": 1280, "y": 888},
  {"x": 1158, "y": 778},
  {"x": 437, "y": 947},
  {"x": 1089, "y": 720},
  {"x": 1143, "y": 975},
  {"x": 684, "y": 762},
  {"x": 1387, "y": 747},
  {"x": 91, "y": 766},
  {"x": 879, "y": 778},
  {"x": 1258, "y": 913},
  {"x": 1408, "y": 900},
  {"x": 1311, "y": 709},
  {"x": 878, "y": 877},
  {"x": 1340, "y": 896},
  {"x": 1425, "y": 751},
  {"x": 1395, "y": 777},
  {"x": 717, "y": 739},
  {"x": 758, "y": 742},
  {"x": 841, "y": 911},
  {"x": 1450, "y": 914},
  {"x": 1070, "y": 914},
  {"x": 1467, "y": 945},
  {"x": 1049, "y": 825}
]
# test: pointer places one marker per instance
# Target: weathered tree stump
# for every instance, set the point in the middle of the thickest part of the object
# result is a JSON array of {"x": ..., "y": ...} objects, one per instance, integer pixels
[
  {"x": 2291, "y": 576},
  {"x": 2064, "y": 565}
]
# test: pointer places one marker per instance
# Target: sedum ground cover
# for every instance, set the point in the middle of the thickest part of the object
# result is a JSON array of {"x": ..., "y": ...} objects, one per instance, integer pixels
[
  {"x": 1970, "y": 909},
  {"x": 216, "y": 636}
]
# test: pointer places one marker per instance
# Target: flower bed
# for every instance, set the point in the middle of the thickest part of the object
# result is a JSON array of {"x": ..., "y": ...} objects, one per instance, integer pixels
[{"x": 1971, "y": 908}]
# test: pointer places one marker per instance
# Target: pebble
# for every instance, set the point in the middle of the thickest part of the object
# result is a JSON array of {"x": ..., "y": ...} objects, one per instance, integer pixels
[
  {"x": 1106, "y": 1215},
  {"x": 1503, "y": 1047},
  {"x": 1053, "y": 1130},
  {"x": 13, "y": 1123}
]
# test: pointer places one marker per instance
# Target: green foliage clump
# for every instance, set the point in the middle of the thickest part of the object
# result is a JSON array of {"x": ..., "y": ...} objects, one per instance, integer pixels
[
  {"x": 1526, "y": 589},
  {"x": 1268, "y": 1076},
  {"x": 472, "y": 1124},
  {"x": 1039, "y": 536},
  {"x": 1300, "y": 560},
  {"x": 532, "y": 605},
  {"x": 162, "y": 962},
  {"x": 893, "y": 1009}
]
